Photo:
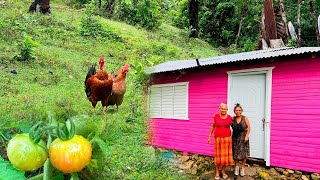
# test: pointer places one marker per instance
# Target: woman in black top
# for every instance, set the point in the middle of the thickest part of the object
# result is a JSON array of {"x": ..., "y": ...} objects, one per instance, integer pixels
[{"x": 240, "y": 139}]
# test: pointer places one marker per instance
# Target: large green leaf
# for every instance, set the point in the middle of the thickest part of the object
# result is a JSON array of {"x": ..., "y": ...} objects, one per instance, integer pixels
[{"x": 8, "y": 172}]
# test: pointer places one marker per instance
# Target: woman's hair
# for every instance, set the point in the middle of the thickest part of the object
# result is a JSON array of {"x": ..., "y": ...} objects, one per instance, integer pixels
[{"x": 237, "y": 105}]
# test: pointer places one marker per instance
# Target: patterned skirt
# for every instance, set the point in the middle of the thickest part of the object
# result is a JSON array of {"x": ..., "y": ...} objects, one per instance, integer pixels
[
  {"x": 240, "y": 149},
  {"x": 223, "y": 151}
]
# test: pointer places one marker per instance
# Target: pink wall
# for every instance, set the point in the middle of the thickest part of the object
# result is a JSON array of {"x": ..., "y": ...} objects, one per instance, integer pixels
[
  {"x": 192, "y": 135},
  {"x": 295, "y": 120},
  {"x": 295, "y": 124}
]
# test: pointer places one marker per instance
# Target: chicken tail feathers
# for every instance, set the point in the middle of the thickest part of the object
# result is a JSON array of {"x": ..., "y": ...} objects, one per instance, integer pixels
[
  {"x": 91, "y": 72},
  {"x": 88, "y": 91}
]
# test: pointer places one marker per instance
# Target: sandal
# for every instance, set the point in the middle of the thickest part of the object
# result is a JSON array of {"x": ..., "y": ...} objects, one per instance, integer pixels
[
  {"x": 225, "y": 176},
  {"x": 217, "y": 177}
]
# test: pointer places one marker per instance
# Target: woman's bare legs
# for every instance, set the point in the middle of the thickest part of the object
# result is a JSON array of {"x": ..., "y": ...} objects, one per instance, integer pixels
[
  {"x": 243, "y": 163},
  {"x": 217, "y": 170},
  {"x": 236, "y": 167},
  {"x": 223, "y": 171},
  {"x": 236, "y": 162}
]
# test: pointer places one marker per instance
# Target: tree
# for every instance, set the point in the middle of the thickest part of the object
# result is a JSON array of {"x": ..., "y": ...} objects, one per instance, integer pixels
[
  {"x": 99, "y": 3},
  {"x": 243, "y": 13},
  {"x": 314, "y": 21},
  {"x": 218, "y": 22},
  {"x": 193, "y": 6},
  {"x": 270, "y": 29},
  {"x": 284, "y": 20},
  {"x": 110, "y": 5},
  {"x": 44, "y": 6},
  {"x": 143, "y": 12},
  {"x": 299, "y": 24}
]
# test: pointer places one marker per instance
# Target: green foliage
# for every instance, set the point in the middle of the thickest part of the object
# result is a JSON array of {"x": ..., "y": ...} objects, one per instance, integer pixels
[
  {"x": 217, "y": 22},
  {"x": 140, "y": 73},
  {"x": 87, "y": 124},
  {"x": 8, "y": 172},
  {"x": 92, "y": 27},
  {"x": 54, "y": 82},
  {"x": 247, "y": 45},
  {"x": 179, "y": 14},
  {"x": 292, "y": 43},
  {"x": 26, "y": 50},
  {"x": 77, "y": 3},
  {"x": 144, "y": 13},
  {"x": 308, "y": 28}
]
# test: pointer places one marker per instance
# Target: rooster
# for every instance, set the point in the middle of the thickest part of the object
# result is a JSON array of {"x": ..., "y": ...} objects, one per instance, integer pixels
[
  {"x": 118, "y": 86},
  {"x": 98, "y": 85}
]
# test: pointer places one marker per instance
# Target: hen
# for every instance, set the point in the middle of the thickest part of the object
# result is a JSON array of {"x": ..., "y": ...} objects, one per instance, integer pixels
[
  {"x": 118, "y": 86},
  {"x": 98, "y": 85}
]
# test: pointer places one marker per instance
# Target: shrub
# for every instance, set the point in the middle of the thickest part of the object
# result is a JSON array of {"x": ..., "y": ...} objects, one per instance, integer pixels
[
  {"x": 144, "y": 13},
  {"x": 77, "y": 3},
  {"x": 26, "y": 50},
  {"x": 91, "y": 27},
  {"x": 180, "y": 15}
]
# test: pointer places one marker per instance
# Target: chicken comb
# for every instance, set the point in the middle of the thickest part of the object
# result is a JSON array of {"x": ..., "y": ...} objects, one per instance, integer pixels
[{"x": 101, "y": 62}]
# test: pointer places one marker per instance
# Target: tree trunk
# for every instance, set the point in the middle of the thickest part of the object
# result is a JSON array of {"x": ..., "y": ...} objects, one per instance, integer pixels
[
  {"x": 99, "y": 4},
  {"x": 244, "y": 10},
  {"x": 110, "y": 8},
  {"x": 284, "y": 19},
  {"x": 193, "y": 6},
  {"x": 314, "y": 21},
  {"x": 239, "y": 30},
  {"x": 270, "y": 22},
  {"x": 44, "y": 6},
  {"x": 299, "y": 25}
]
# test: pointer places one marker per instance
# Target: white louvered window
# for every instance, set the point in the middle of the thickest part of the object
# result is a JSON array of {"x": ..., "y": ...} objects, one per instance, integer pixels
[{"x": 169, "y": 101}]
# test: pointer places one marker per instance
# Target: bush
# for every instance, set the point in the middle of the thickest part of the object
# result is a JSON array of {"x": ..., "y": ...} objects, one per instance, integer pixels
[
  {"x": 180, "y": 16},
  {"x": 77, "y": 3},
  {"x": 26, "y": 50},
  {"x": 217, "y": 23},
  {"x": 248, "y": 45},
  {"x": 144, "y": 13},
  {"x": 91, "y": 27}
]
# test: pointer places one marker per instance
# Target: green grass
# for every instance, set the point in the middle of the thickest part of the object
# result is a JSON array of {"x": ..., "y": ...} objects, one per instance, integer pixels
[{"x": 54, "y": 81}]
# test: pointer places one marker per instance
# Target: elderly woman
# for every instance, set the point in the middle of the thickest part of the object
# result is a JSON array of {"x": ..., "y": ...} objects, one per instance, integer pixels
[
  {"x": 240, "y": 139},
  {"x": 222, "y": 140}
]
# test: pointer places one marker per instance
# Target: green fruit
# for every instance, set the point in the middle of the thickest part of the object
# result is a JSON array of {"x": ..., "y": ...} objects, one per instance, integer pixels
[{"x": 26, "y": 155}]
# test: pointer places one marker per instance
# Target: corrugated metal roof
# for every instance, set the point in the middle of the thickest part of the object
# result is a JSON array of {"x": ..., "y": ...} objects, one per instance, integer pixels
[{"x": 261, "y": 54}]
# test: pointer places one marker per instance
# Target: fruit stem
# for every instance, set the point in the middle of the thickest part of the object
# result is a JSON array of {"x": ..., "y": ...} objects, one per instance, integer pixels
[
  {"x": 46, "y": 169},
  {"x": 74, "y": 176}
]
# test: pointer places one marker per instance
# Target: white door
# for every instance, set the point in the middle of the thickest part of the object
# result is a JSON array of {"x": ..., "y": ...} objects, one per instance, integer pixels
[{"x": 250, "y": 91}]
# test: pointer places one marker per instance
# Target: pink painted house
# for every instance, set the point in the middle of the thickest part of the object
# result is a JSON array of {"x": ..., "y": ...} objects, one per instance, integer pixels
[{"x": 279, "y": 90}]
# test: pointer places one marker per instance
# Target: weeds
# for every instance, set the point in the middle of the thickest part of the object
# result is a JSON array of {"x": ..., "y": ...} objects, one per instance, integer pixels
[
  {"x": 26, "y": 50},
  {"x": 54, "y": 82}
]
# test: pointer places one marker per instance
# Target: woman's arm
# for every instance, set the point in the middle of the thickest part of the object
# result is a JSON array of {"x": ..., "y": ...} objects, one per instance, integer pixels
[
  {"x": 211, "y": 131},
  {"x": 248, "y": 129}
]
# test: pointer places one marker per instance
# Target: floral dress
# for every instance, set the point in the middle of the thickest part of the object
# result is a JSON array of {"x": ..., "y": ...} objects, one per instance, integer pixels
[{"x": 240, "y": 149}]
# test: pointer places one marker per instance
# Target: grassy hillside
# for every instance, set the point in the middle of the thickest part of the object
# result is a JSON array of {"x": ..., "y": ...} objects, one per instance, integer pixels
[{"x": 53, "y": 82}]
